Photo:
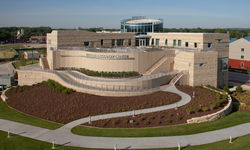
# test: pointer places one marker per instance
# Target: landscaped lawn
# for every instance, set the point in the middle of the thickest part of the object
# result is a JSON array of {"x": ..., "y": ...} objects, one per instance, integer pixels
[
  {"x": 13, "y": 115},
  {"x": 24, "y": 62},
  {"x": 5, "y": 50},
  {"x": 16, "y": 142},
  {"x": 233, "y": 119}
]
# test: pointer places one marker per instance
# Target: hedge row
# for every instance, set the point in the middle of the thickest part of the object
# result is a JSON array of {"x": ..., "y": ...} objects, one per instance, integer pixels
[
  {"x": 103, "y": 74},
  {"x": 58, "y": 87}
]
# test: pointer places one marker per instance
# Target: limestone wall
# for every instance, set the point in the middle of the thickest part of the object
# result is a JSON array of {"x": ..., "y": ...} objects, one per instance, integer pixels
[
  {"x": 226, "y": 110},
  {"x": 129, "y": 88}
]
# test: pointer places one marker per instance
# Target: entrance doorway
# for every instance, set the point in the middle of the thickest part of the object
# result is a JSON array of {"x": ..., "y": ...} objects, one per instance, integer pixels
[{"x": 142, "y": 42}]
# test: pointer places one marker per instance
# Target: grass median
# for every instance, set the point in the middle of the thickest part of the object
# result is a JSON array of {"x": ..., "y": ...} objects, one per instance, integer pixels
[
  {"x": 16, "y": 142},
  {"x": 232, "y": 119},
  {"x": 13, "y": 115}
]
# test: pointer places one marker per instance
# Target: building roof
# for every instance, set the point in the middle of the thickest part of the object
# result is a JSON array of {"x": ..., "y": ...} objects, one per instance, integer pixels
[
  {"x": 232, "y": 40},
  {"x": 246, "y": 38},
  {"x": 30, "y": 52},
  {"x": 144, "y": 21}
]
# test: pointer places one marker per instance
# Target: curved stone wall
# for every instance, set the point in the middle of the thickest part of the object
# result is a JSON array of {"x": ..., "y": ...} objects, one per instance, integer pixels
[
  {"x": 226, "y": 110},
  {"x": 104, "y": 88}
]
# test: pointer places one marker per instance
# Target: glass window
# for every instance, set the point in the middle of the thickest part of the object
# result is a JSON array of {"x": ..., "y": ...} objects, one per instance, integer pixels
[
  {"x": 157, "y": 41},
  {"x": 129, "y": 42},
  {"x": 152, "y": 42},
  {"x": 186, "y": 44},
  {"x": 166, "y": 42},
  {"x": 101, "y": 42},
  {"x": 179, "y": 42},
  {"x": 195, "y": 45},
  {"x": 174, "y": 42},
  {"x": 209, "y": 45},
  {"x": 113, "y": 42},
  {"x": 86, "y": 43},
  {"x": 242, "y": 56},
  {"x": 242, "y": 49},
  {"x": 242, "y": 64}
]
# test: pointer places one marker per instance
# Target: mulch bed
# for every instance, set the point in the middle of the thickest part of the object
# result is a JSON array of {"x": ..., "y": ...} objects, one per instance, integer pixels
[
  {"x": 203, "y": 98},
  {"x": 41, "y": 101}
]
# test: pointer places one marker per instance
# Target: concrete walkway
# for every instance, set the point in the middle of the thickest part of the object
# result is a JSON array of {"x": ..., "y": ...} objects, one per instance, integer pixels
[
  {"x": 185, "y": 98},
  {"x": 63, "y": 135},
  {"x": 68, "y": 139}
]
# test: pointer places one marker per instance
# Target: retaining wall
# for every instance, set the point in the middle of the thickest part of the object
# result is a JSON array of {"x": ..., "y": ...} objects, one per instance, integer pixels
[{"x": 226, "y": 110}]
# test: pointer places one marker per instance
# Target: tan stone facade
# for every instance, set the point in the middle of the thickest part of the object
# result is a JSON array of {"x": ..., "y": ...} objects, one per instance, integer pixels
[{"x": 196, "y": 55}]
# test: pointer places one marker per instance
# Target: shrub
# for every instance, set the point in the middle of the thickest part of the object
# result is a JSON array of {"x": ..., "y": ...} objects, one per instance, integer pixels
[
  {"x": 159, "y": 122},
  {"x": 134, "y": 124},
  {"x": 141, "y": 118},
  {"x": 125, "y": 121},
  {"x": 151, "y": 118},
  {"x": 161, "y": 116},
  {"x": 57, "y": 87},
  {"x": 146, "y": 123},
  {"x": 196, "y": 109},
  {"x": 239, "y": 89},
  {"x": 188, "y": 110},
  {"x": 169, "y": 120},
  {"x": 212, "y": 106},
  {"x": 170, "y": 114},
  {"x": 179, "y": 117},
  {"x": 115, "y": 122},
  {"x": 226, "y": 88},
  {"x": 204, "y": 109},
  {"x": 218, "y": 96},
  {"x": 123, "y": 109}
]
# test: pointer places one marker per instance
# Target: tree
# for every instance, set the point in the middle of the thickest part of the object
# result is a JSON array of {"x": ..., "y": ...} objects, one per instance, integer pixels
[
  {"x": 248, "y": 71},
  {"x": 239, "y": 89},
  {"x": 226, "y": 88}
]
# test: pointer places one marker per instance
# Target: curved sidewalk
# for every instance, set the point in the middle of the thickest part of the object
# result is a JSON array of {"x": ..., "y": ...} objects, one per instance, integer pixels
[
  {"x": 185, "y": 98},
  {"x": 68, "y": 139}
]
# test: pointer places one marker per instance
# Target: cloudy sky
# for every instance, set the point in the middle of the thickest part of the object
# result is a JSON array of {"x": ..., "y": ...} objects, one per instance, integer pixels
[{"x": 109, "y": 13}]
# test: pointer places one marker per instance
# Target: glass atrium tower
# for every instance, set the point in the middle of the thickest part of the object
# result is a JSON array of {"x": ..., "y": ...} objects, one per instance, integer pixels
[{"x": 141, "y": 25}]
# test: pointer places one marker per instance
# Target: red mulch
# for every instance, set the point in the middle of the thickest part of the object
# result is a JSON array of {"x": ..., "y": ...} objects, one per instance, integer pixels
[
  {"x": 41, "y": 101},
  {"x": 202, "y": 98}
]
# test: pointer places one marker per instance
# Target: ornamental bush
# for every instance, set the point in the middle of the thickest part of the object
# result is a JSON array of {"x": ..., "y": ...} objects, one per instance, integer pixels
[
  {"x": 146, "y": 123},
  {"x": 169, "y": 120},
  {"x": 226, "y": 88},
  {"x": 239, "y": 89}
]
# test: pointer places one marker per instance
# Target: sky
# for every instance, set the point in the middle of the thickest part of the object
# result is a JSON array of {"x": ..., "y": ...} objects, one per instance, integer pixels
[{"x": 109, "y": 13}]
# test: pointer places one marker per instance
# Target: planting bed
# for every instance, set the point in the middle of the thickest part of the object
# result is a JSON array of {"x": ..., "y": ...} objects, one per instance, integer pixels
[
  {"x": 203, "y": 99},
  {"x": 244, "y": 99},
  {"x": 43, "y": 102}
]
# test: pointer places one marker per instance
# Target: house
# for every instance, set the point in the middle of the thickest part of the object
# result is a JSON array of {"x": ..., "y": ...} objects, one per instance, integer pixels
[{"x": 239, "y": 53}]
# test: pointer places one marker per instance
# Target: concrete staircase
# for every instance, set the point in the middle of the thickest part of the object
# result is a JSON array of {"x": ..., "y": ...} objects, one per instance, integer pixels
[
  {"x": 157, "y": 65},
  {"x": 176, "y": 78}
]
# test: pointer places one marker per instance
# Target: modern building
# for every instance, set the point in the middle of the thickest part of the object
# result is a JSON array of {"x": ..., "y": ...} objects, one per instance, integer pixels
[
  {"x": 160, "y": 58},
  {"x": 31, "y": 54},
  {"x": 239, "y": 53},
  {"x": 37, "y": 39}
]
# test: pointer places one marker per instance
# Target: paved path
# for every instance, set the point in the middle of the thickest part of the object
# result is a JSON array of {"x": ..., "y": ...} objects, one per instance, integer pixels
[
  {"x": 63, "y": 135},
  {"x": 184, "y": 100},
  {"x": 6, "y": 69},
  {"x": 66, "y": 138}
]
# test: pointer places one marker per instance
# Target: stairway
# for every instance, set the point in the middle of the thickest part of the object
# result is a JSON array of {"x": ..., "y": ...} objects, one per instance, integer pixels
[
  {"x": 176, "y": 78},
  {"x": 157, "y": 65}
]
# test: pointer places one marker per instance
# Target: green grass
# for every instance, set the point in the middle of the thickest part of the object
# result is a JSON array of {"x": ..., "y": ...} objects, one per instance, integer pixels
[
  {"x": 16, "y": 142},
  {"x": 24, "y": 62},
  {"x": 13, "y": 115},
  {"x": 233, "y": 119}
]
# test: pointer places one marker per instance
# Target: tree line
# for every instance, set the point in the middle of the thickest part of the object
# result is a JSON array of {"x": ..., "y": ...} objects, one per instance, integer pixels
[{"x": 7, "y": 33}]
